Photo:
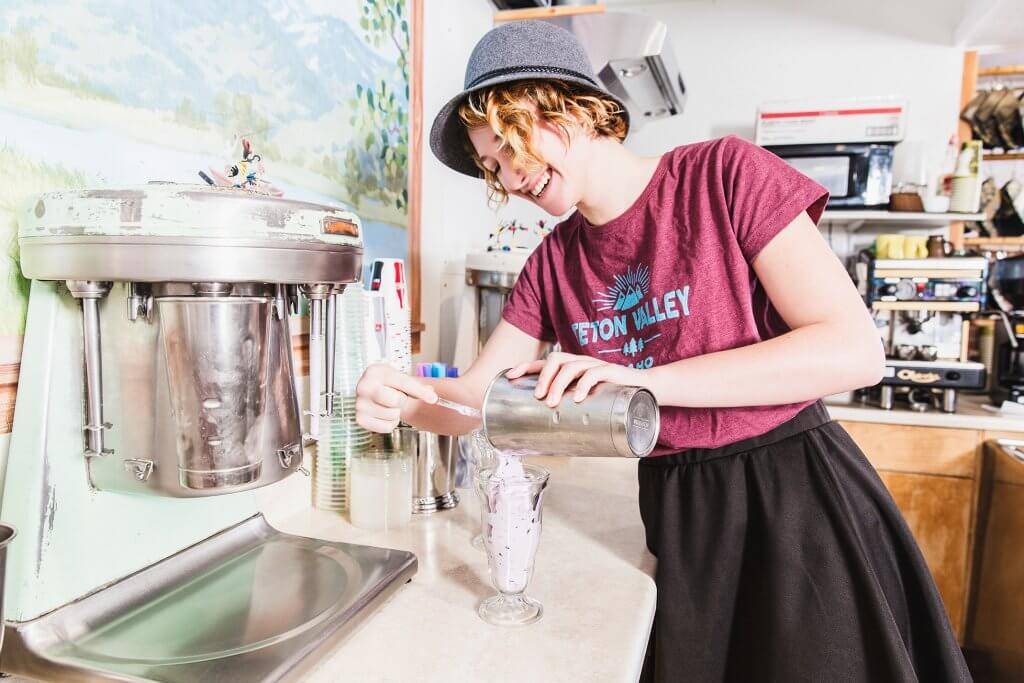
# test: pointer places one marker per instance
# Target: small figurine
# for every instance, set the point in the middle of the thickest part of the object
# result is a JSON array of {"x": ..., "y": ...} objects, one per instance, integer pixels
[
  {"x": 245, "y": 174},
  {"x": 250, "y": 168}
]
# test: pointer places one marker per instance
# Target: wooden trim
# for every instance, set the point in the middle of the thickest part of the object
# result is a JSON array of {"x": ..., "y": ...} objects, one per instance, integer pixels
[
  {"x": 956, "y": 235},
  {"x": 1003, "y": 156},
  {"x": 994, "y": 242},
  {"x": 1008, "y": 70},
  {"x": 968, "y": 86},
  {"x": 546, "y": 12},
  {"x": 415, "y": 166}
]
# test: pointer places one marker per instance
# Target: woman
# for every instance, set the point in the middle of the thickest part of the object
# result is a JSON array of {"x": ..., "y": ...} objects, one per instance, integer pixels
[{"x": 701, "y": 276}]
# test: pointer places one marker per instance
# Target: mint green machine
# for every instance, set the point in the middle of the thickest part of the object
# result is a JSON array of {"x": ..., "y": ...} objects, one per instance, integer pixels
[{"x": 157, "y": 391}]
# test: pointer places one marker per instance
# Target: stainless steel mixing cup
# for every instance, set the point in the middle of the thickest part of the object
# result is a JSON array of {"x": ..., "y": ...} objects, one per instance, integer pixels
[
  {"x": 613, "y": 421},
  {"x": 433, "y": 485},
  {"x": 230, "y": 389}
]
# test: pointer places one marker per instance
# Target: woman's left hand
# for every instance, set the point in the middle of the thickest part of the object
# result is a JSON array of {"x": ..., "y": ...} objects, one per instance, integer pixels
[{"x": 559, "y": 370}]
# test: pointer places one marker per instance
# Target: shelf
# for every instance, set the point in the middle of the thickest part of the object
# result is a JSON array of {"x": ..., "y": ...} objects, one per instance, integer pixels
[
  {"x": 857, "y": 219},
  {"x": 995, "y": 243},
  {"x": 1003, "y": 156},
  {"x": 1011, "y": 70},
  {"x": 545, "y": 12}
]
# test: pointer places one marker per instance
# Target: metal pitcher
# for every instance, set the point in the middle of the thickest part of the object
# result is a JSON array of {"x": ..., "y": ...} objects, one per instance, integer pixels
[
  {"x": 433, "y": 485},
  {"x": 614, "y": 420}
]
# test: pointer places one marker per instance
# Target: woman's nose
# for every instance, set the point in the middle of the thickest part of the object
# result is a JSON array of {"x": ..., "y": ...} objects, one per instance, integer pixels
[{"x": 511, "y": 179}]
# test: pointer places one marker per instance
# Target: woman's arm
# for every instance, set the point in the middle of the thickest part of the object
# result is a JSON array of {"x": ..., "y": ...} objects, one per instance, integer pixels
[
  {"x": 386, "y": 396},
  {"x": 833, "y": 345}
]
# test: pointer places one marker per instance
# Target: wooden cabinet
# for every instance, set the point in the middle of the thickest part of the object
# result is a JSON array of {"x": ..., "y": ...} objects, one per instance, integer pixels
[
  {"x": 934, "y": 476},
  {"x": 996, "y": 622},
  {"x": 939, "y": 511}
]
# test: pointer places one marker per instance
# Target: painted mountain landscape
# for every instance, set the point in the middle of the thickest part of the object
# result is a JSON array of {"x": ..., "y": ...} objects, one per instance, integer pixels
[{"x": 104, "y": 93}]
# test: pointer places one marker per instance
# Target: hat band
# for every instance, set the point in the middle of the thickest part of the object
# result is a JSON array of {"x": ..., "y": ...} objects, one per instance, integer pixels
[{"x": 529, "y": 69}]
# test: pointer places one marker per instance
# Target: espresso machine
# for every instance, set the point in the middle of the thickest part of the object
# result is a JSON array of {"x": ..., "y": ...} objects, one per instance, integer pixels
[
  {"x": 157, "y": 391},
  {"x": 923, "y": 307}
]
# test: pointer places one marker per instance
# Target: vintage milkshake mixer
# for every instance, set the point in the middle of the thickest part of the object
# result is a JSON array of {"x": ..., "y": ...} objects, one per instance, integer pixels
[{"x": 157, "y": 391}]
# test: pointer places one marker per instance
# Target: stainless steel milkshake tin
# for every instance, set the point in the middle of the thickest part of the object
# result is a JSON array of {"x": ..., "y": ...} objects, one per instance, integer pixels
[{"x": 613, "y": 421}]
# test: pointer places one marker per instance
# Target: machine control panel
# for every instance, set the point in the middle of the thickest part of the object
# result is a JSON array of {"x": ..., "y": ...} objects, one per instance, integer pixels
[{"x": 952, "y": 284}]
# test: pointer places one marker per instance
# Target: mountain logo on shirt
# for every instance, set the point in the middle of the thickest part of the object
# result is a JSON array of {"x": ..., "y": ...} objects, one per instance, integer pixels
[
  {"x": 627, "y": 292},
  {"x": 635, "y": 318}
]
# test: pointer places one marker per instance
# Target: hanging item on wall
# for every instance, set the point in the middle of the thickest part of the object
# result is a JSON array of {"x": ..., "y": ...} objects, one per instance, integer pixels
[
  {"x": 1009, "y": 218},
  {"x": 994, "y": 114}
]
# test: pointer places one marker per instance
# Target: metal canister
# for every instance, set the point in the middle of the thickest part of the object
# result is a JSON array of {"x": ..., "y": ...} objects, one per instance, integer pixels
[
  {"x": 614, "y": 420},
  {"x": 433, "y": 462}
]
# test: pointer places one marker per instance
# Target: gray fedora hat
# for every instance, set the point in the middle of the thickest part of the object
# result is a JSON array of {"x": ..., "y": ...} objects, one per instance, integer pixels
[{"x": 516, "y": 51}]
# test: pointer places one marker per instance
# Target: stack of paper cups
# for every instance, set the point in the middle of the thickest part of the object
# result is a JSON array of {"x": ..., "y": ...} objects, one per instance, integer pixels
[
  {"x": 376, "y": 328},
  {"x": 340, "y": 436},
  {"x": 388, "y": 278}
]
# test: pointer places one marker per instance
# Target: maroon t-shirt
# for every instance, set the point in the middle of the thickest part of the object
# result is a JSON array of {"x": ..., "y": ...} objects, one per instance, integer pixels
[{"x": 670, "y": 278}]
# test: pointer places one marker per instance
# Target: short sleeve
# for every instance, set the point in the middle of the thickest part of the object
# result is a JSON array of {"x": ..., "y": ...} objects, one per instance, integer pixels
[
  {"x": 764, "y": 194},
  {"x": 526, "y": 307}
]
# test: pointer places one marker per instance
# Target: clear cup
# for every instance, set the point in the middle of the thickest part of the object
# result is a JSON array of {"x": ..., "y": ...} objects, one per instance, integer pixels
[
  {"x": 380, "y": 489},
  {"x": 511, "y": 510}
]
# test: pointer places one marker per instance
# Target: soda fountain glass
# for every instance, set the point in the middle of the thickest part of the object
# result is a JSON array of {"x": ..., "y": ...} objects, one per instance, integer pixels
[
  {"x": 482, "y": 457},
  {"x": 511, "y": 511}
]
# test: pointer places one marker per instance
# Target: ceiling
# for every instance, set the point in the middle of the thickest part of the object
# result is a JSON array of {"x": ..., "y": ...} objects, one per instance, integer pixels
[{"x": 986, "y": 25}]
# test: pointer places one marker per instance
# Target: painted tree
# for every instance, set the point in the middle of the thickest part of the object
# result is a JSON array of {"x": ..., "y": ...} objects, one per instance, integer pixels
[{"x": 376, "y": 161}]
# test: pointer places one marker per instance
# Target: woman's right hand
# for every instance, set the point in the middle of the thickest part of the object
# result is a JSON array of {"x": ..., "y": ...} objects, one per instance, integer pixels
[{"x": 380, "y": 394}]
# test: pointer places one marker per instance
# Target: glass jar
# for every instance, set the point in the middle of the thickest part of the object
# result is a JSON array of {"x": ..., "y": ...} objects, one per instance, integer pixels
[{"x": 380, "y": 488}]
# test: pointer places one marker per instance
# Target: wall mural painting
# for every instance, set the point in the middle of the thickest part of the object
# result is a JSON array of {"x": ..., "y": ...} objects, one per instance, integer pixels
[{"x": 102, "y": 93}]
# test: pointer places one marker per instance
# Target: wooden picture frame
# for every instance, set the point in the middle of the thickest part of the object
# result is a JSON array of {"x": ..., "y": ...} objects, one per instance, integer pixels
[{"x": 415, "y": 167}]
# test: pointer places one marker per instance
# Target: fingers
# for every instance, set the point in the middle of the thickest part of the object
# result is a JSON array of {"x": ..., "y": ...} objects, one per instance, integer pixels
[
  {"x": 412, "y": 387},
  {"x": 380, "y": 394},
  {"x": 376, "y": 418},
  {"x": 551, "y": 367},
  {"x": 388, "y": 397},
  {"x": 567, "y": 374},
  {"x": 590, "y": 379},
  {"x": 531, "y": 368}
]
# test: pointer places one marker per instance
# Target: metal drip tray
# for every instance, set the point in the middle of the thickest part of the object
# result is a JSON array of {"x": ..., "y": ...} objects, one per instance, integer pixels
[{"x": 249, "y": 604}]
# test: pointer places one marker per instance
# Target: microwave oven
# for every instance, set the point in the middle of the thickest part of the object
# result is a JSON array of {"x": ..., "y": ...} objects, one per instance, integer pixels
[{"x": 856, "y": 175}]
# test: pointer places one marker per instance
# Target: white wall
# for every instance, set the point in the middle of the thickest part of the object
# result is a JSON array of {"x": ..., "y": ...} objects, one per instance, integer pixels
[
  {"x": 455, "y": 216},
  {"x": 733, "y": 55}
]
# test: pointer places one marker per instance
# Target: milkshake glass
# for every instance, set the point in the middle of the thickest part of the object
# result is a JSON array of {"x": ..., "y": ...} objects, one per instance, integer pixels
[
  {"x": 511, "y": 496},
  {"x": 481, "y": 457}
]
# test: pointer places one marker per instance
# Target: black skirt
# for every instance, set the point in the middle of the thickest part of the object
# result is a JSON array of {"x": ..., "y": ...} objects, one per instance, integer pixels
[{"x": 784, "y": 558}]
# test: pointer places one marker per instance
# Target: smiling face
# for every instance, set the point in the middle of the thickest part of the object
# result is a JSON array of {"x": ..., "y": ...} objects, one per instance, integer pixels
[
  {"x": 534, "y": 139},
  {"x": 555, "y": 184}
]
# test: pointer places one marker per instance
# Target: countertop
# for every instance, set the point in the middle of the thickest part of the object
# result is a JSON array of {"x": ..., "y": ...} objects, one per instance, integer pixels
[
  {"x": 593, "y": 576},
  {"x": 970, "y": 414}
]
